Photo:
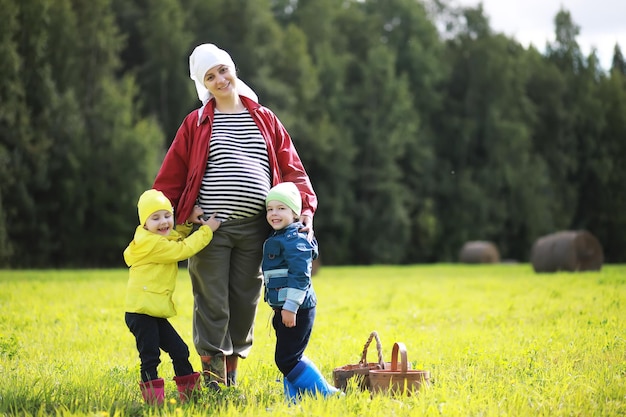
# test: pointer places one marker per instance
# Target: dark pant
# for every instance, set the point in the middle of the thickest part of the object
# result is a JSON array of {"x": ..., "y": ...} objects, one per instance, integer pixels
[
  {"x": 226, "y": 280},
  {"x": 292, "y": 341},
  {"x": 153, "y": 334}
]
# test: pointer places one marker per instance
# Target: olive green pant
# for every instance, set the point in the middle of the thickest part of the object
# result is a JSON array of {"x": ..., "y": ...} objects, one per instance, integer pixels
[{"x": 226, "y": 279}]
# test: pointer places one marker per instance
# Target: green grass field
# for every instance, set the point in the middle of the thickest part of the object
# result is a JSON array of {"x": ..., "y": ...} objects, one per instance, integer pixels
[{"x": 499, "y": 340}]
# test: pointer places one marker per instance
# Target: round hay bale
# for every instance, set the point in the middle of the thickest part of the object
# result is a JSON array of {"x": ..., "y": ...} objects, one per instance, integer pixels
[
  {"x": 479, "y": 252},
  {"x": 569, "y": 250}
]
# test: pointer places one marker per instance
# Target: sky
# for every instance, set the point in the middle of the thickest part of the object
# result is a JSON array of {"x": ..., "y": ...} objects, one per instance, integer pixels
[{"x": 602, "y": 22}]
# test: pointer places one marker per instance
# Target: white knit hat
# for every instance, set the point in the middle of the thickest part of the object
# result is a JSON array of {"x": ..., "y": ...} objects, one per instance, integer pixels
[{"x": 203, "y": 58}]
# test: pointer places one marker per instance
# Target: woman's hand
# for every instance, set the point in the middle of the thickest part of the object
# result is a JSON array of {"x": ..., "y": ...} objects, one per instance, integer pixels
[
  {"x": 196, "y": 215},
  {"x": 307, "y": 221}
]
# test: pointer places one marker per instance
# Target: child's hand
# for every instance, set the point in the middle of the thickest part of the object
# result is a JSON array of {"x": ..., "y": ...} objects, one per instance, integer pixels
[
  {"x": 196, "y": 215},
  {"x": 289, "y": 318},
  {"x": 212, "y": 222}
]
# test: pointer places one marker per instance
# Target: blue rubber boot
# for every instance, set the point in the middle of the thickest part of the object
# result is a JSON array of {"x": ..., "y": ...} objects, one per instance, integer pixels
[
  {"x": 290, "y": 391},
  {"x": 306, "y": 378}
]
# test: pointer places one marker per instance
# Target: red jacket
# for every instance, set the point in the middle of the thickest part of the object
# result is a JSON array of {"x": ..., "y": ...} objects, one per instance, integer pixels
[{"x": 180, "y": 176}]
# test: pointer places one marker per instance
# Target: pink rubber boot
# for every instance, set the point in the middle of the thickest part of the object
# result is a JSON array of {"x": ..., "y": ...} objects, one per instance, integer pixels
[
  {"x": 188, "y": 386},
  {"x": 153, "y": 391}
]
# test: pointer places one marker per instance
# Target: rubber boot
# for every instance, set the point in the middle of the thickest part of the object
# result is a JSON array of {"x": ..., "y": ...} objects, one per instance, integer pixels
[
  {"x": 188, "y": 386},
  {"x": 153, "y": 391},
  {"x": 214, "y": 371},
  {"x": 231, "y": 370},
  {"x": 306, "y": 378},
  {"x": 290, "y": 391}
]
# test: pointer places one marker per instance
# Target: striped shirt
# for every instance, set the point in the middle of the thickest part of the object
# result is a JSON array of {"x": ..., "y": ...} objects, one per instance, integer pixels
[{"x": 237, "y": 177}]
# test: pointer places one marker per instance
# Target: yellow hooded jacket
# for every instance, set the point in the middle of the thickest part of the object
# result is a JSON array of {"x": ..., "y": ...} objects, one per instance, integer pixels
[{"x": 153, "y": 261}]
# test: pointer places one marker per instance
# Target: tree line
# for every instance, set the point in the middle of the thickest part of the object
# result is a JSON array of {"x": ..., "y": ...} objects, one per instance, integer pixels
[{"x": 421, "y": 127}]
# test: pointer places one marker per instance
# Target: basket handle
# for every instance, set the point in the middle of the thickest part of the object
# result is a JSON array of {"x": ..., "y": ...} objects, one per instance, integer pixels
[
  {"x": 379, "y": 349},
  {"x": 398, "y": 346}
]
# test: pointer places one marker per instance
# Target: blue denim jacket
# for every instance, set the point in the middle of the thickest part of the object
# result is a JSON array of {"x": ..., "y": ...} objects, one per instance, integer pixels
[{"x": 287, "y": 263}]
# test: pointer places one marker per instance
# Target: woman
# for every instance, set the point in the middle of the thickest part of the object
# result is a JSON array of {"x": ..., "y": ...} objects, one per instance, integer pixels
[{"x": 225, "y": 157}]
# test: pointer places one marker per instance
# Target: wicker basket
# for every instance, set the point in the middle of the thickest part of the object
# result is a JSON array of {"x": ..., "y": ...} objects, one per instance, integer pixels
[
  {"x": 398, "y": 381},
  {"x": 361, "y": 370}
]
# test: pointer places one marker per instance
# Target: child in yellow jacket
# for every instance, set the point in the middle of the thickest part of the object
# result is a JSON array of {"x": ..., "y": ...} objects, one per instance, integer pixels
[{"x": 153, "y": 257}]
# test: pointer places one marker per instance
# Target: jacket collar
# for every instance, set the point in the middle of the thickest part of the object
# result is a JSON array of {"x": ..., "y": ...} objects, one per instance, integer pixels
[
  {"x": 289, "y": 228},
  {"x": 206, "y": 112}
]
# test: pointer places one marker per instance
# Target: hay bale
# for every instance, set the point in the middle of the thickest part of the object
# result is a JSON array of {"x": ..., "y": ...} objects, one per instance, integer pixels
[
  {"x": 479, "y": 252},
  {"x": 569, "y": 250}
]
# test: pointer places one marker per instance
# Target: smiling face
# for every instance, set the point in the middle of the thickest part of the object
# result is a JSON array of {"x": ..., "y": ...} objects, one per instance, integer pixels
[
  {"x": 160, "y": 222},
  {"x": 220, "y": 81},
  {"x": 278, "y": 215}
]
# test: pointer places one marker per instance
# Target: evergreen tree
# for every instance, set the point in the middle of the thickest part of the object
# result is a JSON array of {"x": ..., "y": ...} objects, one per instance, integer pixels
[
  {"x": 14, "y": 146},
  {"x": 489, "y": 181},
  {"x": 382, "y": 121},
  {"x": 323, "y": 136},
  {"x": 550, "y": 88},
  {"x": 26, "y": 133},
  {"x": 119, "y": 171},
  {"x": 618, "y": 63},
  {"x": 405, "y": 27},
  {"x": 575, "y": 144},
  {"x": 605, "y": 194},
  {"x": 62, "y": 140},
  {"x": 591, "y": 150},
  {"x": 157, "y": 48},
  {"x": 383, "y": 108},
  {"x": 123, "y": 149},
  {"x": 565, "y": 51}
]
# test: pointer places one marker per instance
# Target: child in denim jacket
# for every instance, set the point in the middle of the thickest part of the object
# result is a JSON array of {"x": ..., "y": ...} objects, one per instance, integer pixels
[{"x": 287, "y": 264}]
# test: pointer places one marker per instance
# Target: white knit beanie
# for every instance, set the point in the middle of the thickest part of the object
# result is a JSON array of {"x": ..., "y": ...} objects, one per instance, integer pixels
[{"x": 203, "y": 58}]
